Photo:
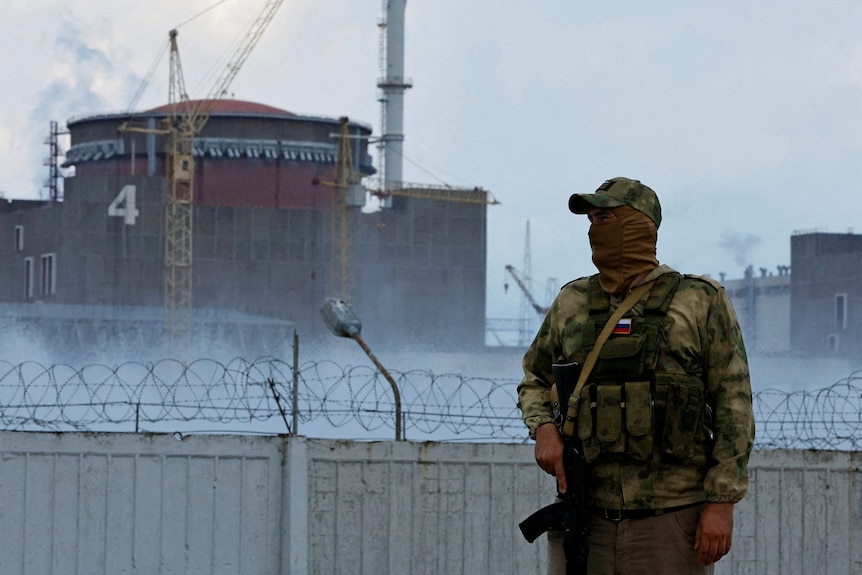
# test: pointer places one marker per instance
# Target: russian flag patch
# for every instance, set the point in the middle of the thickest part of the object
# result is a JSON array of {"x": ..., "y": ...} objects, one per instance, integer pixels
[{"x": 623, "y": 327}]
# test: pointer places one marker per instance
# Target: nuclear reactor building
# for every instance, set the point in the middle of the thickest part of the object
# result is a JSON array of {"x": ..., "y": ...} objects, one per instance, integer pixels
[{"x": 276, "y": 228}]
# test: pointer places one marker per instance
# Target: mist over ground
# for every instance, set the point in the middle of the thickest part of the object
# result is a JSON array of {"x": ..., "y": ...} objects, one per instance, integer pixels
[{"x": 502, "y": 364}]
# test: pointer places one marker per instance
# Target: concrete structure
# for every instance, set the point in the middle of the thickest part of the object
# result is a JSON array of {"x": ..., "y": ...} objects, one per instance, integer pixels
[
  {"x": 263, "y": 238},
  {"x": 826, "y": 316},
  {"x": 813, "y": 312},
  {"x": 123, "y": 503},
  {"x": 762, "y": 304}
]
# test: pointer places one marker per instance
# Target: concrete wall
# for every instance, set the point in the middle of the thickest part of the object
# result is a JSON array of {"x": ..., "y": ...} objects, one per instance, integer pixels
[
  {"x": 762, "y": 304},
  {"x": 803, "y": 516},
  {"x": 99, "y": 503},
  {"x": 419, "y": 267},
  {"x": 140, "y": 504},
  {"x": 826, "y": 268}
]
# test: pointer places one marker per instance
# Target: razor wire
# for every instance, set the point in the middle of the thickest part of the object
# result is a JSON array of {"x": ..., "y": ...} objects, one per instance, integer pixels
[{"x": 351, "y": 402}]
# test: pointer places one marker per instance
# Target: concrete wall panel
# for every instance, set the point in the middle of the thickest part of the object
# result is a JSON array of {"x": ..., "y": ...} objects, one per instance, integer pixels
[
  {"x": 124, "y": 503},
  {"x": 798, "y": 516},
  {"x": 139, "y": 504}
]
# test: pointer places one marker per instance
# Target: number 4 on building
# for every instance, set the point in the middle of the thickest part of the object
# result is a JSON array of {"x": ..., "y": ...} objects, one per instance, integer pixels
[{"x": 128, "y": 211}]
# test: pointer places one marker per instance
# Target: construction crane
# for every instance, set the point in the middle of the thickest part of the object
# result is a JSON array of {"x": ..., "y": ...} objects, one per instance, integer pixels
[
  {"x": 541, "y": 310},
  {"x": 185, "y": 120}
]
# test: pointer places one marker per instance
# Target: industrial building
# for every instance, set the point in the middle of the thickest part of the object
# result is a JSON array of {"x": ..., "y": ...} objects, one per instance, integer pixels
[
  {"x": 232, "y": 219},
  {"x": 264, "y": 237},
  {"x": 813, "y": 311},
  {"x": 762, "y": 303},
  {"x": 826, "y": 294}
]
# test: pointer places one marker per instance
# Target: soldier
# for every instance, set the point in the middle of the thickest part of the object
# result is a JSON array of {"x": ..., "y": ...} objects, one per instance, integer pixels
[{"x": 664, "y": 419}]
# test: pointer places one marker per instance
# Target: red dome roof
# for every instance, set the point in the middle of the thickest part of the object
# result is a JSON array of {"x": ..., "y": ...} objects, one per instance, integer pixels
[{"x": 235, "y": 107}]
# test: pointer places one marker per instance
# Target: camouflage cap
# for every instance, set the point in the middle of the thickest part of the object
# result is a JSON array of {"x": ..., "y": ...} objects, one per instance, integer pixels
[{"x": 619, "y": 192}]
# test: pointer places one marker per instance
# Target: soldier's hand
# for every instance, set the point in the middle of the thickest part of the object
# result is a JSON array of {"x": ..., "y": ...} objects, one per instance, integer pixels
[
  {"x": 549, "y": 453},
  {"x": 714, "y": 532}
]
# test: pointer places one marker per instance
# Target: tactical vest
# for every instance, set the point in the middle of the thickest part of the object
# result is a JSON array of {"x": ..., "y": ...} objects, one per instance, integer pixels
[{"x": 626, "y": 408}]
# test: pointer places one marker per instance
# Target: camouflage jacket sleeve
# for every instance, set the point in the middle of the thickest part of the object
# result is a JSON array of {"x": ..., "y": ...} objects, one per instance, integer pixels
[
  {"x": 729, "y": 393},
  {"x": 534, "y": 391}
]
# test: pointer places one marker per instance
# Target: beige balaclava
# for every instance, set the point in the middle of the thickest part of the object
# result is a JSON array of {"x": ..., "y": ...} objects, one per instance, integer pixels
[{"x": 623, "y": 248}]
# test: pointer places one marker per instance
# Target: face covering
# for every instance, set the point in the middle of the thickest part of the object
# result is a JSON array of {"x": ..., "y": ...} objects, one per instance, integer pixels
[{"x": 623, "y": 248}]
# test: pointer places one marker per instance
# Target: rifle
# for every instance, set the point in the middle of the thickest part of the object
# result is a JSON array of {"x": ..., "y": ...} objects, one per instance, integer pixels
[{"x": 569, "y": 513}]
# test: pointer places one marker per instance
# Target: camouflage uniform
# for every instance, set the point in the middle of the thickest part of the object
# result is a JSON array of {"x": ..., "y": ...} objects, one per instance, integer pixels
[{"x": 701, "y": 340}]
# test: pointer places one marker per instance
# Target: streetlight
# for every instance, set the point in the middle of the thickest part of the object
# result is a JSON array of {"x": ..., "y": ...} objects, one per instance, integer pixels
[{"x": 339, "y": 317}]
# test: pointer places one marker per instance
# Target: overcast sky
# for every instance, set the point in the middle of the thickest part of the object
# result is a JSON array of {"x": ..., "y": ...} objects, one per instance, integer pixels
[{"x": 745, "y": 117}]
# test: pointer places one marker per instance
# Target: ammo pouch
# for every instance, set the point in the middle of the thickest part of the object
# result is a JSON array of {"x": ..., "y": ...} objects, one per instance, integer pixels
[
  {"x": 682, "y": 399},
  {"x": 634, "y": 418},
  {"x": 616, "y": 418}
]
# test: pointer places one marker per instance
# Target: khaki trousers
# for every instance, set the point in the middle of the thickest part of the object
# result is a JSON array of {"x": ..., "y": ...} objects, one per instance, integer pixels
[{"x": 660, "y": 545}]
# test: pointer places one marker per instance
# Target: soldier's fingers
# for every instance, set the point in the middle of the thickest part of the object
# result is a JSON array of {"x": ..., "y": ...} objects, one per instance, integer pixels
[
  {"x": 723, "y": 548},
  {"x": 707, "y": 550},
  {"x": 560, "y": 473}
]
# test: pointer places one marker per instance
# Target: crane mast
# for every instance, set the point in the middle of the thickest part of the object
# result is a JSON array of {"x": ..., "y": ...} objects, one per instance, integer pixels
[
  {"x": 185, "y": 121},
  {"x": 347, "y": 199},
  {"x": 179, "y": 207}
]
